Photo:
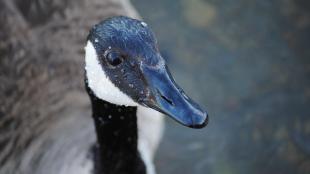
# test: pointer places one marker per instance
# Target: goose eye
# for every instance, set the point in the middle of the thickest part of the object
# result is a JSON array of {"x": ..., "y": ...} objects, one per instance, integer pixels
[{"x": 114, "y": 58}]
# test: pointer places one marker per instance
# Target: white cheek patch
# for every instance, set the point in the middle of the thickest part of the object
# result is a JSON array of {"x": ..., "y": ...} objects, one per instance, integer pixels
[{"x": 99, "y": 83}]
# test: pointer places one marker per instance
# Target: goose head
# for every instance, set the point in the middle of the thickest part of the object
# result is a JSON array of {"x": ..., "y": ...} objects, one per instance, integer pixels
[{"x": 124, "y": 67}]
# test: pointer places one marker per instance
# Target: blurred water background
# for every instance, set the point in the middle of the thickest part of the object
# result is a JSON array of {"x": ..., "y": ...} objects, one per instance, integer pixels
[{"x": 248, "y": 63}]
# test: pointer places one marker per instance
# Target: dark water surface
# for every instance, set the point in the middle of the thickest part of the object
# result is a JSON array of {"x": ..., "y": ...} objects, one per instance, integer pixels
[{"x": 248, "y": 63}]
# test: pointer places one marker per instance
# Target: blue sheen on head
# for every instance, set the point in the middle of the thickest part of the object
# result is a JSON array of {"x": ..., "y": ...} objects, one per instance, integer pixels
[{"x": 131, "y": 36}]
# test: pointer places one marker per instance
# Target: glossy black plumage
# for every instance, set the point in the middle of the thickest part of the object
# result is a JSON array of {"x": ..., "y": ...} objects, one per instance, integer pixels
[{"x": 117, "y": 140}]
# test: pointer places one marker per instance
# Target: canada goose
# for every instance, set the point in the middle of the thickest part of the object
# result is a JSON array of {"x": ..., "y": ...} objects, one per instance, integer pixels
[
  {"x": 125, "y": 76},
  {"x": 45, "y": 123}
]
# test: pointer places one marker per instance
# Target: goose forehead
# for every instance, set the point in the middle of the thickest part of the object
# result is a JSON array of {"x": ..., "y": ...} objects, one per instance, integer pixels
[
  {"x": 123, "y": 26},
  {"x": 129, "y": 35}
]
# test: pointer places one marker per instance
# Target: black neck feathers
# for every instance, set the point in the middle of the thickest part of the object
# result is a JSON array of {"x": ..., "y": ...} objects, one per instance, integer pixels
[{"x": 116, "y": 128}]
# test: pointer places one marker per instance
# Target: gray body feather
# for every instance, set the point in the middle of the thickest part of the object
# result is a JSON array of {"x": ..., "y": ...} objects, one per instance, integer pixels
[{"x": 44, "y": 110}]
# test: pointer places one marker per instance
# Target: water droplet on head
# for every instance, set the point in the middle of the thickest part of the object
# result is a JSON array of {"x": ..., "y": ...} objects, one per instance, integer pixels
[
  {"x": 110, "y": 116},
  {"x": 144, "y": 24},
  {"x": 96, "y": 40}
]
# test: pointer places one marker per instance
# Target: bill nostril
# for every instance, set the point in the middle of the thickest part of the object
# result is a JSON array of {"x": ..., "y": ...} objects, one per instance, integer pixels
[{"x": 165, "y": 98}]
